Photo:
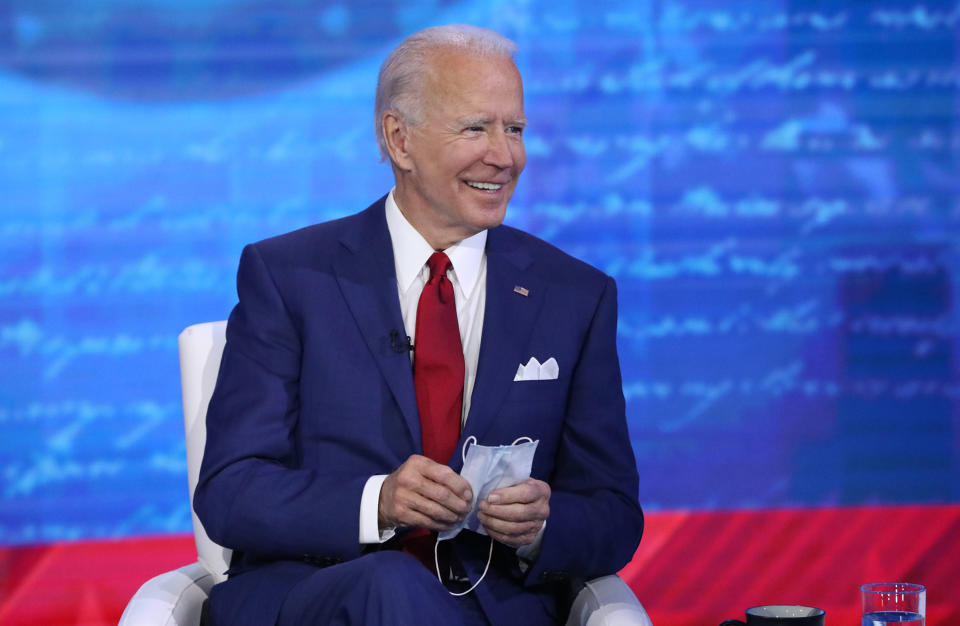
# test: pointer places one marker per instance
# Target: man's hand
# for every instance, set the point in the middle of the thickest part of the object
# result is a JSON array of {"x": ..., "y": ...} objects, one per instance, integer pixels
[
  {"x": 421, "y": 492},
  {"x": 514, "y": 515}
]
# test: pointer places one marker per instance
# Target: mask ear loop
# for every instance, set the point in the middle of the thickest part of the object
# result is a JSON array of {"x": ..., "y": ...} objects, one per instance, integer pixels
[
  {"x": 436, "y": 564},
  {"x": 436, "y": 544},
  {"x": 466, "y": 442}
]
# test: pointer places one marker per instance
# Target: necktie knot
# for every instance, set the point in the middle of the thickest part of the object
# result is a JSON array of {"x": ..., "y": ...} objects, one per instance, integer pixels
[{"x": 439, "y": 264}]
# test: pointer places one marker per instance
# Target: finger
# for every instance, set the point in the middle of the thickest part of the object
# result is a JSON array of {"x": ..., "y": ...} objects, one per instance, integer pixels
[
  {"x": 443, "y": 475},
  {"x": 435, "y": 482},
  {"x": 442, "y": 495},
  {"x": 513, "y": 542},
  {"x": 508, "y": 527},
  {"x": 533, "y": 512},
  {"x": 419, "y": 520},
  {"x": 429, "y": 514},
  {"x": 432, "y": 499},
  {"x": 510, "y": 533},
  {"x": 409, "y": 508},
  {"x": 528, "y": 491}
]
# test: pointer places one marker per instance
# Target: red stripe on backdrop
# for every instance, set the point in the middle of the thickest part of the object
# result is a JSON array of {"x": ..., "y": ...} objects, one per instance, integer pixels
[
  {"x": 692, "y": 569},
  {"x": 85, "y": 583},
  {"x": 820, "y": 557}
]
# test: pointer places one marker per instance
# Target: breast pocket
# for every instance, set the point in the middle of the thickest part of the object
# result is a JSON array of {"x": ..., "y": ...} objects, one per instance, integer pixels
[{"x": 540, "y": 395}]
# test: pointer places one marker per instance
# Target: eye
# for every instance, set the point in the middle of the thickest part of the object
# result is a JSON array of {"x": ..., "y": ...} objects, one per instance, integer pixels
[{"x": 515, "y": 130}]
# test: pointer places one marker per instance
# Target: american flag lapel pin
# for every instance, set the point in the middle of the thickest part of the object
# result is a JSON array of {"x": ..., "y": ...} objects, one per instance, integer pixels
[{"x": 523, "y": 291}]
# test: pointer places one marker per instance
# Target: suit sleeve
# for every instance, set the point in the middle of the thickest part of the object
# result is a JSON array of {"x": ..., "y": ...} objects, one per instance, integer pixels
[
  {"x": 595, "y": 519},
  {"x": 252, "y": 494}
]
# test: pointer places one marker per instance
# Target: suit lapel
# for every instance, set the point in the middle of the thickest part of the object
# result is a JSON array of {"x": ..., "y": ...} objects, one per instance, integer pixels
[
  {"x": 367, "y": 278},
  {"x": 507, "y": 323}
]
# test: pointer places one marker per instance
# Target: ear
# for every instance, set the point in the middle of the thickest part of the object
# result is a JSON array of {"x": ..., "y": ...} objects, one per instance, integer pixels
[{"x": 396, "y": 134}]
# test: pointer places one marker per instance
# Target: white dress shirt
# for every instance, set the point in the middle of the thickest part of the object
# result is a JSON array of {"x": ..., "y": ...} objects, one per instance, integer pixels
[{"x": 468, "y": 276}]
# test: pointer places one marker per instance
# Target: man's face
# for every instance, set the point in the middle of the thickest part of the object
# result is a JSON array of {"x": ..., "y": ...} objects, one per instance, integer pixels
[{"x": 461, "y": 164}]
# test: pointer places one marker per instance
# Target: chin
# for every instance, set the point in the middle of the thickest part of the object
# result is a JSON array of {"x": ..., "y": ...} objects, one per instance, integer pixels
[{"x": 489, "y": 219}]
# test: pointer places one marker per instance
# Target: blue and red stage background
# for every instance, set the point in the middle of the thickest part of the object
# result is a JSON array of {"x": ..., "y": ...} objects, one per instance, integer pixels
[{"x": 775, "y": 186}]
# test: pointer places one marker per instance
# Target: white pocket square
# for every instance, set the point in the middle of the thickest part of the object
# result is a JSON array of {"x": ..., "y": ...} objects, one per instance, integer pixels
[{"x": 533, "y": 370}]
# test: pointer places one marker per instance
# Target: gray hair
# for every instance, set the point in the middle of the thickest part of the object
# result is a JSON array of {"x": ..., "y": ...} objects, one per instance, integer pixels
[{"x": 403, "y": 72}]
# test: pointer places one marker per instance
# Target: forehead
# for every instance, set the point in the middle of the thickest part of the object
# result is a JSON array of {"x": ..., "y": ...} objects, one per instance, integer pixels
[{"x": 460, "y": 82}]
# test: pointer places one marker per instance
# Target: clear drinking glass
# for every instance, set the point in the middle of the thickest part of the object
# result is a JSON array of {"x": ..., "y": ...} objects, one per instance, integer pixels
[{"x": 893, "y": 603}]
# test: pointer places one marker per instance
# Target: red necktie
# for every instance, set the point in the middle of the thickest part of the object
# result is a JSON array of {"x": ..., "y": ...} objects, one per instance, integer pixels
[
  {"x": 438, "y": 368},
  {"x": 438, "y": 379}
]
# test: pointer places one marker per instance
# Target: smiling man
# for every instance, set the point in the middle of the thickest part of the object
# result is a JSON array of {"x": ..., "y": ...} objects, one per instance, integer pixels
[
  {"x": 457, "y": 167},
  {"x": 366, "y": 354}
]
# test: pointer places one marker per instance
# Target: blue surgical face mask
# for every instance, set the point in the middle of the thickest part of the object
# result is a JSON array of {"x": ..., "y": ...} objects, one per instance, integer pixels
[{"x": 488, "y": 468}]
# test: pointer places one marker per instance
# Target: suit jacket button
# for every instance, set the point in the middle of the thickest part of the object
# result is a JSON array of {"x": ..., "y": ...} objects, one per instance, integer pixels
[{"x": 554, "y": 576}]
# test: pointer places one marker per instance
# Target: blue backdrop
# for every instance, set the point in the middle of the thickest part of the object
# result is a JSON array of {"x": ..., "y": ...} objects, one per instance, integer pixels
[{"x": 774, "y": 184}]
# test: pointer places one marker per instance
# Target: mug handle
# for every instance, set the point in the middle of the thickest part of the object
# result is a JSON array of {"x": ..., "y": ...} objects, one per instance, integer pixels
[{"x": 732, "y": 622}]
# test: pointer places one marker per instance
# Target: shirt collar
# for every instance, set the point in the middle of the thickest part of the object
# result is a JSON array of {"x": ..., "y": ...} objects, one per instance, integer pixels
[{"x": 411, "y": 251}]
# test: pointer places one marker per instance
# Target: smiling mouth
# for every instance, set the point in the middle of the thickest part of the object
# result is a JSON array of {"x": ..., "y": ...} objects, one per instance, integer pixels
[{"x": 490, "y": 187}]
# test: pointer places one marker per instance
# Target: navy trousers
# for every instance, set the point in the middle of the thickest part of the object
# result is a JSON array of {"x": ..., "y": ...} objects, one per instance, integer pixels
[{"x": 387, "y": 588}]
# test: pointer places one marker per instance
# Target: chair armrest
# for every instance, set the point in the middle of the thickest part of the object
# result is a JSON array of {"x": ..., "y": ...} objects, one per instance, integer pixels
[
  {"x": 171, "y": 599},
  {"x": 607, "y": 601}
]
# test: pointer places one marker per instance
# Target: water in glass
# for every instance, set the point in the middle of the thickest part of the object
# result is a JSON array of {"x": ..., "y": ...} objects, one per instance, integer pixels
[{"x": 884, "y": 618}]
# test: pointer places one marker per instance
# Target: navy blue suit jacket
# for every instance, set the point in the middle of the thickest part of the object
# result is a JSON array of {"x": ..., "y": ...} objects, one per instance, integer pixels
[{"x": 312, "y": 399}]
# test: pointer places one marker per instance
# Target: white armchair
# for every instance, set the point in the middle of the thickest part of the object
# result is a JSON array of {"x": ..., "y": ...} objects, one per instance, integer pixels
[{"x": 176, "y": 598}]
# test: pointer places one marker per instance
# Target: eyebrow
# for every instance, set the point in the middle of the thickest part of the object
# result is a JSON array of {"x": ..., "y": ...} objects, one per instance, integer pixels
[{"x": 483, "y": 121}]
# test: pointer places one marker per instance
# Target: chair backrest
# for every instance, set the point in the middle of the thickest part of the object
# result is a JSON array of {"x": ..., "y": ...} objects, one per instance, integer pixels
[{"x": 201, "y": 347}]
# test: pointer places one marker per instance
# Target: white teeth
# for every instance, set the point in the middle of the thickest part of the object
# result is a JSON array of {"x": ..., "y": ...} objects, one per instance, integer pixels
[{"x": 485, "y": 186}]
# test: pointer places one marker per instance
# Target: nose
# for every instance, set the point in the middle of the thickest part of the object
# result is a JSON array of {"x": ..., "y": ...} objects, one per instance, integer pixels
[{"x": 499, "y": 153}]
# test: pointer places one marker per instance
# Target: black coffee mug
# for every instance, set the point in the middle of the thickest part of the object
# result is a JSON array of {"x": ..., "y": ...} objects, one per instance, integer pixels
[{"x": 781, "y": 615}]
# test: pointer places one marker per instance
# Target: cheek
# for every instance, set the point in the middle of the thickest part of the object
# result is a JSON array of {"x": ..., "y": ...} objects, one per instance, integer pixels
[{"x": 467, "y": 156}]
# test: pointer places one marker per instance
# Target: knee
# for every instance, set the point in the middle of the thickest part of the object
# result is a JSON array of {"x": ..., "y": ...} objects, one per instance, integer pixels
[
  {"x": 400, "y": 590},
  {"x": 387, "y": 588},
  {"x": 391, "y": 572}
]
